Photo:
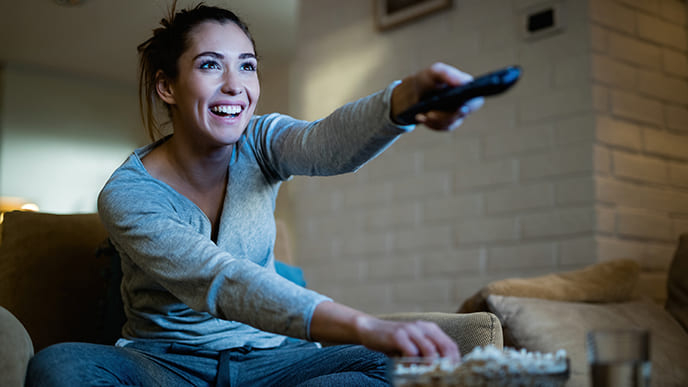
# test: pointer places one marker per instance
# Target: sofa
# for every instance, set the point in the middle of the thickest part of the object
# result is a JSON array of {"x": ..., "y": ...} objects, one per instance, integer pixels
[
  {"x": 557, "y": 310},
  {"x": 59, "y": 282}
]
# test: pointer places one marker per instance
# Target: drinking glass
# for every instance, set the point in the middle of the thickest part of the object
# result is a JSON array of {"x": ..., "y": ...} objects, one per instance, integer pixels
[{"x": 619, "y": 358}]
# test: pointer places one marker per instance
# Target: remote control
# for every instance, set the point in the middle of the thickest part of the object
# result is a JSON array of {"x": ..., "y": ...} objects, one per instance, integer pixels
[{"x": 451, "y": 98}]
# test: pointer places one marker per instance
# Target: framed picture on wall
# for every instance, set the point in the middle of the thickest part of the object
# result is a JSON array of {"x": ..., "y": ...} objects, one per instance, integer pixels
[{"x": 391, "y": 13}]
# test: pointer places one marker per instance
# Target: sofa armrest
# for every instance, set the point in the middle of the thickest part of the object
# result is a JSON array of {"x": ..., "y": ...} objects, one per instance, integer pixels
[
  {"x": 16, "y": 349},
  {"x": 468, "y": 330}
]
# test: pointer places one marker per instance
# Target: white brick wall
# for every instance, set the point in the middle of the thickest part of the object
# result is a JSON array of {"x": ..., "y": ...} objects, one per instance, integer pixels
[
  {"x": 585, "y": 159},
  {"x": 641, "y": 63}
]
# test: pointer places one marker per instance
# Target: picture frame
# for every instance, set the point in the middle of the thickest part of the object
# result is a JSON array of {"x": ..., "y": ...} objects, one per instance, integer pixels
[{"x": 392, "y": 13}]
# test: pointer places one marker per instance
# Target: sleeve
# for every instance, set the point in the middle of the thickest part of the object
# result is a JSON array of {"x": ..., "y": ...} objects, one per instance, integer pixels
[
  {"x": 340, "y": 143},
  {"x": 151, "y": 232}
]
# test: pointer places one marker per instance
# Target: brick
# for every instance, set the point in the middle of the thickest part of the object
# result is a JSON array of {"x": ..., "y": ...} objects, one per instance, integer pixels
[
  {"x": 345, "y": 270},
  {"x": 666, "y": 144},
  {"x": 639, "y": 196},
  {"x": 661, "y": 32},
  {"x": 421, "y": 291},
  {"x": 613, "y": 15},
  {"x": 365, "y": 195},
  {"x": 393, "y": 216},
  {"x": 678, "y": 174},
  {"x": 613, "y": 72},
  {"x": 391, "y": 165},
  {"x": 652, "y": 256},
  {"x": 651, "y": 6},
  {"x": 557, "y": 222},
  {"x": 485, "y": 174},
  {"x": 521, "y": 256},
  {"x": 421, "y": 239},
  {"x": 427, "y": 185},
  {"x": 680, "y": 226},
  {"x": 518, "y": 141},
  {"x": 366, "y": 244},
  {"x": 676, "y": 118},
  {"x": 557, "y": 162},
  {"x": 598, "y": 38},
  {"x": 451, "y": 153},
  {"x": 601, "y": 98},
  {"x": 668, "y": 89},
  {"x": 486, "y": 230},
  {"x": 643, "y": 225},
  {"x": 555, "y": 104},
  {"x": 341, "y": 224},
  {"x": 577, "y": 251},
  {"x": 455, "y": 262},
  {"x": 634, "y": 51},
  {"x": 314, "y": 250},
  {"x": 365, "y": 296},
  {"x": 575, "y": 129},
  {"x": 641, "y": 168},
  {"x": 453, "y": 207},
  {"x": 637, "y": 108},
  {"x": 675, "y": 63},
  {"x": 520, "y": 198},
  {"x": 674, "y": 11},
  {"x": 577, "y": 190},
  {"x": 618, "y": 133},
  {"x": 602, "y": 160},
  {"x": 606, "y": 220},
  {"x": 392, "y": 269},
  {"x": 573, "y": 71}
]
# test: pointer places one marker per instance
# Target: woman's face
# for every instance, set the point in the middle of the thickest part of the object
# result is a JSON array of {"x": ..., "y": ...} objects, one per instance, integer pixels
[{"x": 217, "y": 89}]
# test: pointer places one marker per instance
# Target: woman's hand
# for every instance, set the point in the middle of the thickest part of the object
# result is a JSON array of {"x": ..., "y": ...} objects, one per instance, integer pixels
[
  {"x": 409, "y": 339},
  {"x": 339, "y": 324},
  {"x": 439, "y": 75}
]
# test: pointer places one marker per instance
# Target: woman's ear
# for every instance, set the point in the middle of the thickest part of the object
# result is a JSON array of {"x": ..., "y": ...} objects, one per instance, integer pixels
[{"x": 164, "y": 88}]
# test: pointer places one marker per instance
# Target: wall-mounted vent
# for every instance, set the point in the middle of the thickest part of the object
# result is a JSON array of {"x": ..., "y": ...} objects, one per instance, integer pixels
[{"x": 541, "y": 20}]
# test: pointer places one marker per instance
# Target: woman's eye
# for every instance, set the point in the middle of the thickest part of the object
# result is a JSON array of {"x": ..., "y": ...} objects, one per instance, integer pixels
[
  {"x": 248, "y": 66},
  {"x": 209, "y": 65}
]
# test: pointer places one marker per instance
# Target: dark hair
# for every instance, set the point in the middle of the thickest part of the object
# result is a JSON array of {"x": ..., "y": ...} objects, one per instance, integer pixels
[{"x": 161, "y": 52}]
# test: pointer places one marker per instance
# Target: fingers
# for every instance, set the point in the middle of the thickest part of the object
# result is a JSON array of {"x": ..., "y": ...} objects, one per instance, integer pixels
[
  {"x": 448, "y": 121},
  {"x": 425, "y": 339},
  {"x": 441, "y": 74}
]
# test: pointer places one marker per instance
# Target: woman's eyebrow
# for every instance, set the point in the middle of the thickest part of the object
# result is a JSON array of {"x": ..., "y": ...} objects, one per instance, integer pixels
[{"x": 217, "y": 55}]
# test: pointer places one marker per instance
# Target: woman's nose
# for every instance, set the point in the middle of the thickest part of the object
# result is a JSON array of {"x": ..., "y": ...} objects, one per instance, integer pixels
[{"x": 232, "y": 85}]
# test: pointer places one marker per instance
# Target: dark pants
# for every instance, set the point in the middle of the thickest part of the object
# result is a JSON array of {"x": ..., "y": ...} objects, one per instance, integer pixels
[{"x": 295, "y": 363}]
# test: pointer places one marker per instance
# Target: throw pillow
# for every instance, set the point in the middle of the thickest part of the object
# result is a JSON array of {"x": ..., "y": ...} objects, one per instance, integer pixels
[
  {"x": 547, "y": 326},
  {"x": 677, "y": 284},
  {"x": 611, "y": 281},
  {"x": 292, "y": 273}
]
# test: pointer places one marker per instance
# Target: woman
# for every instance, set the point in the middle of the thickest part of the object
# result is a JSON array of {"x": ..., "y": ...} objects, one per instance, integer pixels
[{"x": 192, "y": 217}]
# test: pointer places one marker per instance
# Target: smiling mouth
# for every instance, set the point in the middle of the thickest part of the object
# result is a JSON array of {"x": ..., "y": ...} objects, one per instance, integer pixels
[{"x": 226, "y": 110}]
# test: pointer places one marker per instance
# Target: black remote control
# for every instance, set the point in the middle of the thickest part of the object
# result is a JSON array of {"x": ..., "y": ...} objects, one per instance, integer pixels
[{"x": 451, "y": 98}]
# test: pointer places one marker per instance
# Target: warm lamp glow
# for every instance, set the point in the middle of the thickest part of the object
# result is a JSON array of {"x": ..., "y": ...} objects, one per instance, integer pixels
[{"x": 8, "y": 204}]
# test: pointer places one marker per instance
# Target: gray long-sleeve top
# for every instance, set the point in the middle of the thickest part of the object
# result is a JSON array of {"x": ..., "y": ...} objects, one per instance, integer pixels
[{"x": 178, "y": 285}]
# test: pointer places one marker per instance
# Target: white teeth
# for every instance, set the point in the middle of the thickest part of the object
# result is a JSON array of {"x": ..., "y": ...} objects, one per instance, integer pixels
[{"x": 226, "y": 109}]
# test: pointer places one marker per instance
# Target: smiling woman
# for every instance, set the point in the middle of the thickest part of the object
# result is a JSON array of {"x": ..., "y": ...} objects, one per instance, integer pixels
[{"x": 192, "y": 217}]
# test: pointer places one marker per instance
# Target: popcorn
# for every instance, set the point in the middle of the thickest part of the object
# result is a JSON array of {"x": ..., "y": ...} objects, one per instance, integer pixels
[{"x": 485, "y": 366}]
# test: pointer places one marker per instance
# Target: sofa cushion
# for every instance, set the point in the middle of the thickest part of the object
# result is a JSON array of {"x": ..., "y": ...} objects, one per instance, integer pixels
[
  {"x": 547, "y": 326},
  {"x": 611, "y": 281},
  {"x": 47, "y": 264},
  {"x": 677, "y": 284}
]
